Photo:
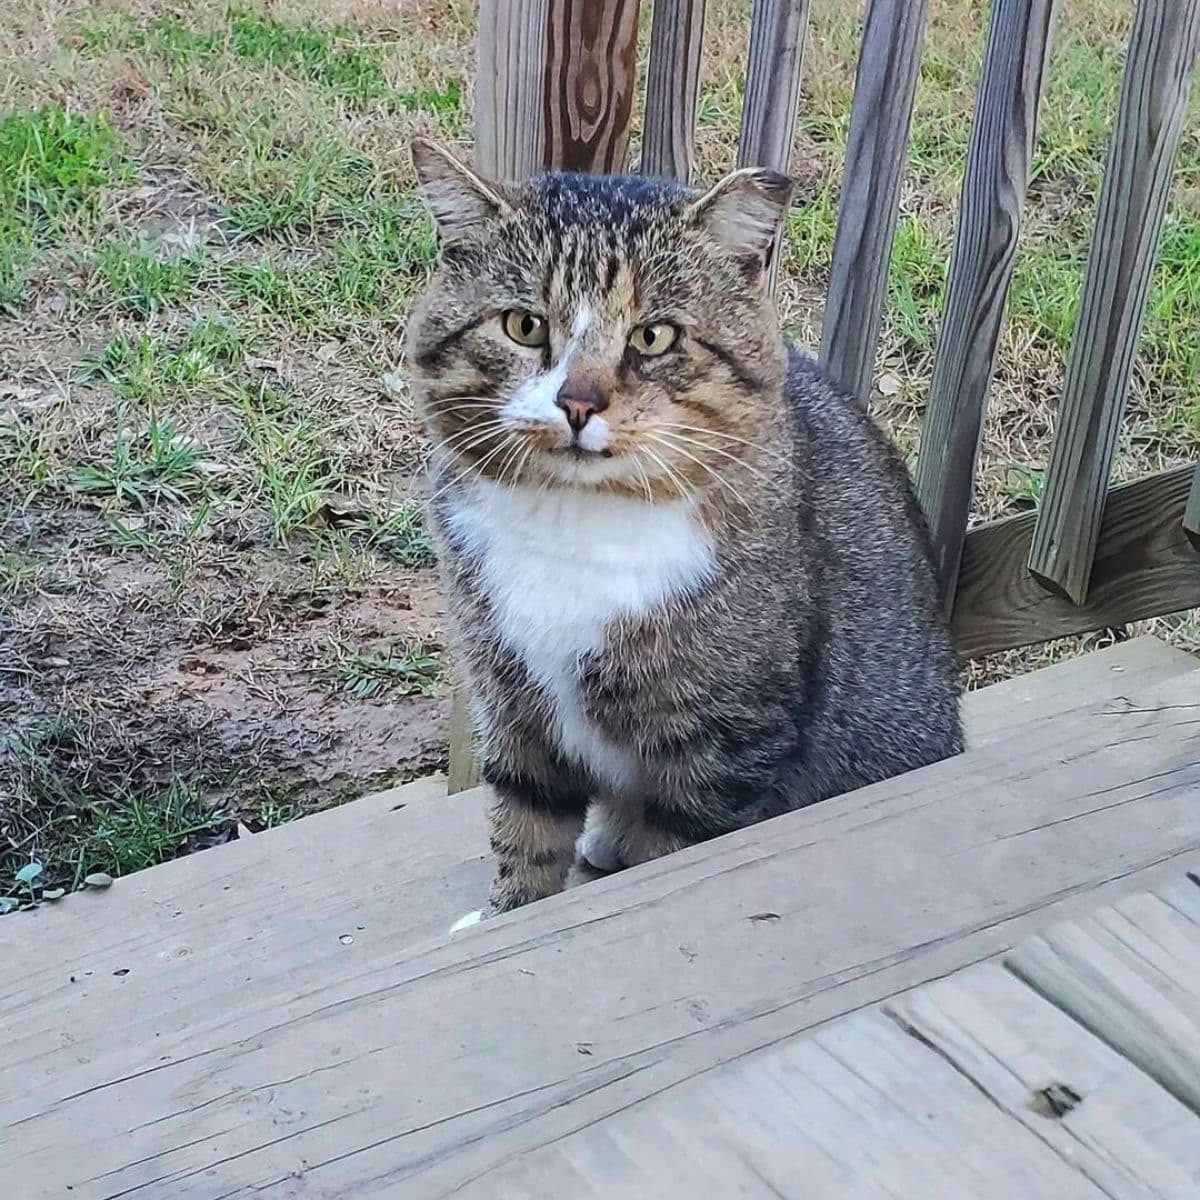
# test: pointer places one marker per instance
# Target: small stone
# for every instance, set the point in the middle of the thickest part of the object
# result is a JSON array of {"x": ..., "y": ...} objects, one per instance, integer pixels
[{"x": 98, "y": 879}]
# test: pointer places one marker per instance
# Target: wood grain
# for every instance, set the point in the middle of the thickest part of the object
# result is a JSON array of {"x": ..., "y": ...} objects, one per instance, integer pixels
[
  {"x": 416, "y": 1069},
  {"x": 1133, "y": 201},
  {"x": 1191, "y": 514},
  {"x": 1001, "y": 710},
  {"x": 508, "y": 87},
  {"x": 668, "y": 138},
  {"x": 1003, "y": 130},
  {"x": 857, "y": 1109},
  {"x": 465, "y": 769},
  {"x": 590, "y": 78},
  {"x": 772, "y": 95},
  {"x": 1105, "y": 1118},
  {"x": 1144, "y": 567},
  {"x": 1131, "y": 974},
  {"x": 888, "y": 65}
]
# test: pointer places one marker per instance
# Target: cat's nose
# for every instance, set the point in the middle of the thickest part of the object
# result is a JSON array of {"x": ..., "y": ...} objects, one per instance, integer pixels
[{"x": 579, "y": 399}]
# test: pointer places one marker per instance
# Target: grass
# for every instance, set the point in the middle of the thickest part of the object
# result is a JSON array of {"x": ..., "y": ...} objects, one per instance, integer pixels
[
  {"x": 411, "y": 668},
  {"x": 209, "y": 247}
]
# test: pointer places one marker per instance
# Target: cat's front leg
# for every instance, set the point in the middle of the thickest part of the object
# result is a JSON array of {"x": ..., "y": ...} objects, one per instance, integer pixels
[{"x": 533, "y": 827}]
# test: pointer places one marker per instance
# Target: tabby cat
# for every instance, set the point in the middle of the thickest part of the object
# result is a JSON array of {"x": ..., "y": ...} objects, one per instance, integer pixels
[{"x": 688, "y": 582}]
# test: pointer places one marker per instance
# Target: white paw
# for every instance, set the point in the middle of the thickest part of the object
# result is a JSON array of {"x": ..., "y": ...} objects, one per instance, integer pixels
[
  {"x": 472, "y": 918},
  {"x": 597, "y": 847}
]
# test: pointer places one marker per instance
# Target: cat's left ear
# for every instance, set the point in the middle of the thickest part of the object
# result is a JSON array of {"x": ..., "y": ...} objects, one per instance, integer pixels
[
  {"x": 744, "y": 211},
  {"x": 459, "y": 199}
]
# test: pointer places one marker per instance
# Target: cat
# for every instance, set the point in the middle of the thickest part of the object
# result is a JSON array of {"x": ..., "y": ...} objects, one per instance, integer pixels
[{"x": 688, "y": 583}]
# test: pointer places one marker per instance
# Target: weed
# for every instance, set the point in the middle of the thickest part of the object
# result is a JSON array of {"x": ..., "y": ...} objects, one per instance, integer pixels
[
  {"x": 158, "y": 465},
  {"x": 139, "y": 281},
  {"x": 146, "y": 829},
  {"x": 409, "y": 668},
  {"x": 141, "y": 367}
]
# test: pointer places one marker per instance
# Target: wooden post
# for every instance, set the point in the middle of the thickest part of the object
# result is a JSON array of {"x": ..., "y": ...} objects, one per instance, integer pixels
[
  {"x": 777, "y": 31},
  {"x": 888, "y": 65},
  {"x": 1191, "y": 514},
  {"x": 668, "y": 140},
  {"x": 508, "y": 87},
  {"x": 590, "y": 77},
  {"x": 508, "y": 145},
  {"x": 1133, "y": 200},
  {"x": 1003, "y": 130}
]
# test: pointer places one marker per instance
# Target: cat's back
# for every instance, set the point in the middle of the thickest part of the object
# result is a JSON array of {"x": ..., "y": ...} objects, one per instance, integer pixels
[{"x": 886, "y": 664}]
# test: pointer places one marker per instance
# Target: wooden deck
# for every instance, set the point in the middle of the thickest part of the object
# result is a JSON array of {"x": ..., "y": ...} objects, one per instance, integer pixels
[{"x": 979, "y": 980}]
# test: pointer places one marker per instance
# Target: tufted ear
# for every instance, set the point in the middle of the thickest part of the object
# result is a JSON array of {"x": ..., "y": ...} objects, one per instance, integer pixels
[
  {"x": 459, "y": 200},
  {"x": 743, "y": 212}
]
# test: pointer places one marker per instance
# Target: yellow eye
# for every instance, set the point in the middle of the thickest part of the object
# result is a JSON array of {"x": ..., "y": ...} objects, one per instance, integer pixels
[
  {"x": 652, "y": 340},
  {"x": 526, "y": 328}
]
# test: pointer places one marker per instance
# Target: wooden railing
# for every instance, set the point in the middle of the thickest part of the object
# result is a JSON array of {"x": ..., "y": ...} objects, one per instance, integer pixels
[{"x": 556, "y": 83}]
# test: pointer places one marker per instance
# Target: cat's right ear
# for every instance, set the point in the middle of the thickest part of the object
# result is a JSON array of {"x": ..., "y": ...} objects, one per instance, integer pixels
[{"x": 459, "y": 200}]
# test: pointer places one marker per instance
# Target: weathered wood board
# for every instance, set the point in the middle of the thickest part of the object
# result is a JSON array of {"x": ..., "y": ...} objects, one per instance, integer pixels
[
  {"x": 858, "y": 1109},
  {"x": 411, "y": 1070},
  {"x": 1093, "y": 1107},
  {"x": 1131, "y": 974}
]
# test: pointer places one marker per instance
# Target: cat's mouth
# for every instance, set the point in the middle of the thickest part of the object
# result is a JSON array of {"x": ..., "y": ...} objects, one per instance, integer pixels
[{"x": 576, "y": 451}]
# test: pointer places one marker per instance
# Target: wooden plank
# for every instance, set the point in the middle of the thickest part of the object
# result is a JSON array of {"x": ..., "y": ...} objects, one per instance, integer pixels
[
  {"x": 1087, "y": 1103},
  {"x": 464, "y": 770},
  {"x": 404, "y": 864},
  {"x": 587, "y": 93},
  {"x": 1145, "y": 566},
  {"x": 858, "y": 1109},
  {"x": 1088, "y": 681},
  {"x": 1133, "y": 201},
  {"x": 1191, "y": 516},
  {"x": 1131, "y": 974},
  {"x": 888, "y": 65},
  {"x": 772, "y": 96},
  {"x": 423, "y": 1067},
  {"x": 668, "y": 138},
  {"x": 1003, "y": 131},
  {"x": 508, "y": 87}
]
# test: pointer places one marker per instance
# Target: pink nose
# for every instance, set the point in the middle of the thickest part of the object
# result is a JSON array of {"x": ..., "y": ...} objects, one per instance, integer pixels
[{"x": 579, "y": 399}]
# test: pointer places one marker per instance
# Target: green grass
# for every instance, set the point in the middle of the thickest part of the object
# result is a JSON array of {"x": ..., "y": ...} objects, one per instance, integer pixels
[
  {"x": 139, "y": 366},
  {"x": 55, "y": 170},
  {"x": 155, "y": 465},
  {"x": 409, "y": 668},
  {"x": 138, "y": 280},
  {"x": 81, "y": 818},
  {"x": 335, "y": 58}
]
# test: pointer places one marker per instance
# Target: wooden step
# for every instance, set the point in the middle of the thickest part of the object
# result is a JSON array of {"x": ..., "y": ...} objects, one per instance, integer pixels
[
  {"x": 274, "y": 1013},
  {"x": 406, "y": 863}
]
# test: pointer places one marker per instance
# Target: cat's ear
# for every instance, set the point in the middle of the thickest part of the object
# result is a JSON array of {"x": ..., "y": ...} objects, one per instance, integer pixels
[
  {"x": 459, "y": 200},
  {"x": 743, "y": 212}
]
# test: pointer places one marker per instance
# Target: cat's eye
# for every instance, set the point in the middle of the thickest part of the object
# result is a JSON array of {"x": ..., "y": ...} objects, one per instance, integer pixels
[
  {"x": 526, "y": 328},
  {"x": 652, "y": 340}
]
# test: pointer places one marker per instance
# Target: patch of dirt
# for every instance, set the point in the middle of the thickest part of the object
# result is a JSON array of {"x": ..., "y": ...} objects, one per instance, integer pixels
[{"x": 219, "y": 673}]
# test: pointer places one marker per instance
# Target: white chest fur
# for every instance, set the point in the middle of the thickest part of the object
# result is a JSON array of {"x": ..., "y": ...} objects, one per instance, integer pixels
[{"x": 558, "y": 567}]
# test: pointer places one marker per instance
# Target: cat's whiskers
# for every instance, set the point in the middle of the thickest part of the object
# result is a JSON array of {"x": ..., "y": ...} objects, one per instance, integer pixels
[
  {"x": 478, "y": 432},
  {"x": 716, "y": 477},
  {"x": 733, "y": 458},
  {"x": 685, "y": 492},
  {"x": 471, "y": 468},
  {"x": 729, "y": 437}
]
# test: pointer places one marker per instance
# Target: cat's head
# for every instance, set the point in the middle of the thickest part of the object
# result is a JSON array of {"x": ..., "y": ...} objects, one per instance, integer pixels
[{"x": 610, "y": 332}]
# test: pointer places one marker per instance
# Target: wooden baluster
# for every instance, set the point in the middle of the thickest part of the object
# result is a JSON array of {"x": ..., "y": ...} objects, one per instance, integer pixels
[
  {"x": 668, "y": 140},
  {"x": 888, "y": 65},
  {"x": 1133, "y": 200},
  {"x": 1003, "y": 130}
]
